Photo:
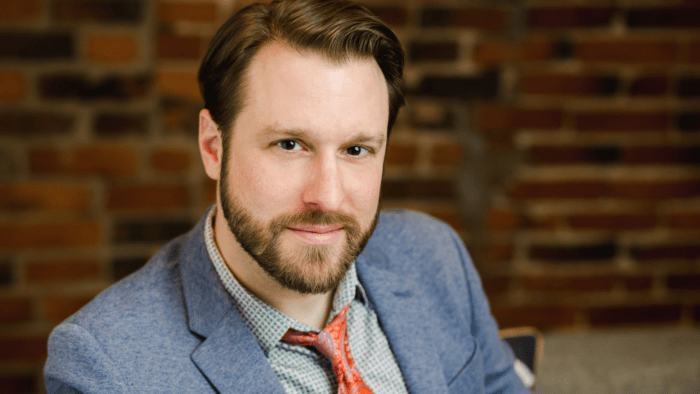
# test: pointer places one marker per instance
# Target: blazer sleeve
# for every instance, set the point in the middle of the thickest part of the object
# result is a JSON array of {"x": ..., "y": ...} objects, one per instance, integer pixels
[
  {"x": 499, "y": 371},
  {"x": 77, "y": 363}
]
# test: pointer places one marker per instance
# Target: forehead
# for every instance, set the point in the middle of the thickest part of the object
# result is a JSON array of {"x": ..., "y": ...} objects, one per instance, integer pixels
[{"x": 292, "y": 89}]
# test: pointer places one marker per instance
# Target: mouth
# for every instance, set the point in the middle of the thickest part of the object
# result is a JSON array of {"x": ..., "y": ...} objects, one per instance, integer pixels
[{"x": 317, "y": 234}]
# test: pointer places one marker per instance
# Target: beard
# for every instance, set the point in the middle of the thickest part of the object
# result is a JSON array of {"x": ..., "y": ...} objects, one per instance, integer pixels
[{"x": 307, "y": 269}]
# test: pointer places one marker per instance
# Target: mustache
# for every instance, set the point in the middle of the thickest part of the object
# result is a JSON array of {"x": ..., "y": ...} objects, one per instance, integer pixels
[{"x": 314, "y": 217}]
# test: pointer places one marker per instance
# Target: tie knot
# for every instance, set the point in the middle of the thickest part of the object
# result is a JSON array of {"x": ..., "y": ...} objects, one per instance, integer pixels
[{"x": 332, "y": 342}]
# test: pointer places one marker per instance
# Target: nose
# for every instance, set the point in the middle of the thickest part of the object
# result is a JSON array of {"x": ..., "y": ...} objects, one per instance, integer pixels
[{"x": 323, "y": 189}]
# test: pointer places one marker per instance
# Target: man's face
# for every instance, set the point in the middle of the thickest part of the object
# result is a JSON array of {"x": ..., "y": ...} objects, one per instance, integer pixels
[{"x": 301, "y": 175}]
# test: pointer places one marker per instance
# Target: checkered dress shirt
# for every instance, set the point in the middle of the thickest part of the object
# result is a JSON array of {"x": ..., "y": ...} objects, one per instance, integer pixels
[{"x": 305, "y": 370}]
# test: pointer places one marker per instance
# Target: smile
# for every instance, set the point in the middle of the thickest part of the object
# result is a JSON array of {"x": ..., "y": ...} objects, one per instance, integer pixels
[{"x": 317, "y": 235}]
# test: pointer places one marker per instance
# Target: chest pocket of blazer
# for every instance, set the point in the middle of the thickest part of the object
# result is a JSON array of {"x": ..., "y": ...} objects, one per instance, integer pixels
[{"x": 470, "y": 378}]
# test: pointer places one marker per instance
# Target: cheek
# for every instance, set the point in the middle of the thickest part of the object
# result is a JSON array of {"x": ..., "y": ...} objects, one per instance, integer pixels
[
  {"x": 264, "y": 186},
  {"x": 365, "y": 190}
]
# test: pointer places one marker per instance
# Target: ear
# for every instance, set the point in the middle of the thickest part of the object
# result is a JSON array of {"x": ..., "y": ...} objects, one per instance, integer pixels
[{"x": 210, "y": 145}]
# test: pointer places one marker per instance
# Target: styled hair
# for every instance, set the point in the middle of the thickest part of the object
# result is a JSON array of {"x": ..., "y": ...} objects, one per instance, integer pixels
[{"x": 338, "y": 30}]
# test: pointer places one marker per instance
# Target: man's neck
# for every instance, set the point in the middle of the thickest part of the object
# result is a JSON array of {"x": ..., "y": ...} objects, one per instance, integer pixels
[{"x": 311, "y": 309}]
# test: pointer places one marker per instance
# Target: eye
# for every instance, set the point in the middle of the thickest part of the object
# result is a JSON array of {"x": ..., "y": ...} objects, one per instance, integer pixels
[
  {"x": 289, "y": 145},
  {"x": 356, "y": 150}
]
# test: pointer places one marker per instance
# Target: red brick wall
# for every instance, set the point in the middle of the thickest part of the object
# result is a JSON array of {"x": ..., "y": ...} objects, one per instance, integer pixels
[{"x": 560, "y": 138}]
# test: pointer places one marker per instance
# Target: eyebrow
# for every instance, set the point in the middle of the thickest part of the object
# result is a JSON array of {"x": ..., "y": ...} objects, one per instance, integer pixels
[{"x": 359, "y": 137}]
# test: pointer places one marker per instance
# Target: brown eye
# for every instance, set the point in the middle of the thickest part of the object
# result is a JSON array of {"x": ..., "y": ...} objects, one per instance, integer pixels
[
  {"x": 288, "y": 144},
  {"x": 354, "y": 150}
]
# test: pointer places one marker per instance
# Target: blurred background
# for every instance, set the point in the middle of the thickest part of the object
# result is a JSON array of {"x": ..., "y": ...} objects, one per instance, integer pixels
[{"x": 561, "y": 139}]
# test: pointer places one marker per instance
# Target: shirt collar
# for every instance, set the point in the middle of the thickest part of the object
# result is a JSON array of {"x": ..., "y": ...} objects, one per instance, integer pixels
[{"x": 267, "y": 324}]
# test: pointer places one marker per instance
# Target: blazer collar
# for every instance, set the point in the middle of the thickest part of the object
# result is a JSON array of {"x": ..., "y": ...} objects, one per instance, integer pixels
[
  {"x": 229, "y": 356},
  {"x": 401, "y": 314}
]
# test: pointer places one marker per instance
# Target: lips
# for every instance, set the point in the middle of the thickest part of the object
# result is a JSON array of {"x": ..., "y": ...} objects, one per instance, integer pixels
[{"x": 317, "y": 234}]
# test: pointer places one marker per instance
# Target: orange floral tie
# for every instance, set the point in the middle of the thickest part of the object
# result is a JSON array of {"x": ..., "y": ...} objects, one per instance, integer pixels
[{"x": 332, "y": 342}]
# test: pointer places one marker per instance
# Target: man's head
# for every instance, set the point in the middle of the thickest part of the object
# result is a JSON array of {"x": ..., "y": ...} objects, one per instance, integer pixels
[
  {"x": 299, "y": 146},
  {"x": 334, "y": 29}
]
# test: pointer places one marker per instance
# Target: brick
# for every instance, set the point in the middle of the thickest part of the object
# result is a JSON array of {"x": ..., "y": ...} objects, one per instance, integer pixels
[
  {"x": 498, "y": 252},
  {"x": 12, "y": 11},
  {"x": 502, "y": 220},
  {"x": 498, "y": 118},
  {"x": 78, "y": 86},
  {"x": 568, "y": 85},
  {"x": 36, "y": 46},
  {"x": 656, "y": 190},
  {"x": 573, "y": 253},
  {"x": 172, "y": 160},
  {"x": 116, "y": 124},
  {"x": 433, "y": 51},
  {"x": 484, "y": 85},
  {"x": 542, "y": 317},
  {"x": 623, "y": 121},
  {"x": 688, "y": 121},
  {"x": 394, "y": 16},
  {"x": 417, "y": 188},
  {"x": 662, "y": 154},
  {"x": 58, "y": 308},
  {"x": 638, "y": 282},
  {"x": 684, "y": 220},
  {"x": 694, "y": 52},
  {"x": 122, "y": 267},
  {"x": 26, "y": 123},
  {"x": 620, "y": 221},
  {"x": 556, "y": 17},
  {"x": 568, "y": 154},
  {"x": 68, "y": 271},
  {"x": 672, "y": 17},
  {"x": 649, "y": 86},
  {"x": 544, "y": 223},
  {"x": 177, "y": 11},
  {"x": 431, "y": 115},
  {"x": 683, "y": 282},
  {"x": 179, "y": 47},
  {"x": 178, "y": 84},
  {"x": 150, "y": 231},
  {"x": 147, "y": 197},
  {"x": 528, "y": 190},
  {"x": 15, "y": 310},
  {"x": 626, "y": 315},
  {"x": 112, "y": 49},
  {"x": 447, "y": 155},
  {"x": 101, "y": 160},
  {"x": 18, "y": 384},
  {"x": 110, "y": 11},
  {"x": 558, "y": 283},
  {"x": 180, "y": 115},
  {"x": 496, "y": 285},
  {"x": 14, "y": 85},
  {"x": 39, "y": 196},
  {"x": 23, "y": 349},
  {"x": 209, "y": 191},
  {"x": 491, "y": 19},
  {"x": 689, "y": 87},
  {"x": 532, "y": 50},
  {"x": 21, "y": 236},
  {"x": 401, "y": 154},
  {"x": 666, "y": 252},
  {"x": 627, "y": 51},
  {"x": 6, "y": 276}
]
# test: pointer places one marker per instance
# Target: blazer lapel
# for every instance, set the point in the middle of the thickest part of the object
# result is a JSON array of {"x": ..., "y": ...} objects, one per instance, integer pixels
[
  {"x": 233, "y": 362},
  {"x": 401, "y": 315},
  {"x": 229, "y": 355}
]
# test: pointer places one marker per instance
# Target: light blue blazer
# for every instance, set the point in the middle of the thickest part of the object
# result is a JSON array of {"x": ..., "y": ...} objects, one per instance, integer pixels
[{"x": 171, "y": 327}]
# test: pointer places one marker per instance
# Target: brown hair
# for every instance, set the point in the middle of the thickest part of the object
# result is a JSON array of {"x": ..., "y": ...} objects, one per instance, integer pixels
[{"x": 336, "y": 29}]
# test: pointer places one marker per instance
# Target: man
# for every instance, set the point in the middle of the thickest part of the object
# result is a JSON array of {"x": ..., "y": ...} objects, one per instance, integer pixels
[{"x": 293, "y": 282}]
